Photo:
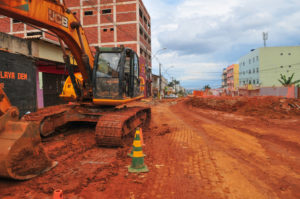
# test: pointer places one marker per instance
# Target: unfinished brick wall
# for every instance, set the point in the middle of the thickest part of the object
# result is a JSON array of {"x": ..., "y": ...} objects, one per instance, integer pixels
[{"x": 110, "y": 23}]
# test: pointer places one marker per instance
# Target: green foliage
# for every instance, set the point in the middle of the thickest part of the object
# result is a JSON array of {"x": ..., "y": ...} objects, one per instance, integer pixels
[
  {"x": 207, "y": 87},
  {"x": 181, "y": 93},
  {"x": 288, "y": 81},
  {"x": 171, "y": 84}
]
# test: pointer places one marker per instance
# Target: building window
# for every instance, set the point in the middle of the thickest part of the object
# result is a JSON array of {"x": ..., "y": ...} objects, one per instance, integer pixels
[
  {"x": 290, "y": 66},
  {"x": 88, "y": 13},
  {"x": 74, "y": 13},
  {"x": 256, "y": 58},
  {"x": 249, "y": 61},
  {"x": 281, "y": 54},
  {"x": 104, "y": 30},
  {"x": 253, "y": 81},
  {"x": 249, "y": 71},
  {"x": 257, "y": 70},
  {"x": 141, "y": 31},
  {"x": 111, "y": 29},
  {"x": 244, "y": 73},
  {"x": 141, "y": 13},
  {"x": 257, "y": 81},
  {"x": 16, "y": 21},
  {"x": 253, "y": 59},
  {"x": 29, "y": 34},
  {"x": 281, "y": 66},
  {"x": 253, "y": 70},
  {"x": 106, "y": 11},
  {"x": 243, "y": 63},
  {"x": 249, "y": 81},
  {"x": 289, "y": 53}
]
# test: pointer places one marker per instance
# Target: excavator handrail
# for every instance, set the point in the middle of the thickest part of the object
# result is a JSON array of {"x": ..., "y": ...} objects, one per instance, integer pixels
[{"x": 55, "y": 17}]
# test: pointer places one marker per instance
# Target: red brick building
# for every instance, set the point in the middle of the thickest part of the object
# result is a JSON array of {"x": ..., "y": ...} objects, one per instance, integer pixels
[{"x": 107, "y": 23}]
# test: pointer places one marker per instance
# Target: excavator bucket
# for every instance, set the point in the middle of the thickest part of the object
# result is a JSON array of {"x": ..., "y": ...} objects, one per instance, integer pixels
[{"x": 21, "y": 154}]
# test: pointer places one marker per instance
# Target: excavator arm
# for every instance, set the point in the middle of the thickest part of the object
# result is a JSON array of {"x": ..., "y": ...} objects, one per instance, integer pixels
[{"x": 54, "y": 16}]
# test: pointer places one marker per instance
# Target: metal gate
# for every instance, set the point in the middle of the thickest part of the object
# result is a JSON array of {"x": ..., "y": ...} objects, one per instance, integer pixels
[{"x": 52, "y": 87}]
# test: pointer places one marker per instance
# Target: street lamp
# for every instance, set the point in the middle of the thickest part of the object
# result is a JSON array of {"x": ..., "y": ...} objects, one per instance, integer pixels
[
  {"x": 158, "y": 52},
  {"x": 159, "y": 92},
  {"x": 170, "y": 67}
]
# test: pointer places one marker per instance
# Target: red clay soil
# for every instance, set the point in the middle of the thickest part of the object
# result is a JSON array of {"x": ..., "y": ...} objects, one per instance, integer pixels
[
  {"x": 191, "y": 152},
  {"x": 272, "y": 107}
]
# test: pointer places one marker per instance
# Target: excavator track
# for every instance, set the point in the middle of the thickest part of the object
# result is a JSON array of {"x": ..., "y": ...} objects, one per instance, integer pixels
[{"x": 114, "y": 126}]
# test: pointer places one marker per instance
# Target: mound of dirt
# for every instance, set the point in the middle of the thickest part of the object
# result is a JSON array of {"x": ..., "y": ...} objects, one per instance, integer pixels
[{"x": 273, "y": 107}]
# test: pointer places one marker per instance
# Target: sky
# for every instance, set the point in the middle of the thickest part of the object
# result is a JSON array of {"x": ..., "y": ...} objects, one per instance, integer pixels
[{"x": 203, "y": 37}]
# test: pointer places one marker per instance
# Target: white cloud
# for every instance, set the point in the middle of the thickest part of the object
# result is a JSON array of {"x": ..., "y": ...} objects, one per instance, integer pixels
[{"x": 206, "y": 36}]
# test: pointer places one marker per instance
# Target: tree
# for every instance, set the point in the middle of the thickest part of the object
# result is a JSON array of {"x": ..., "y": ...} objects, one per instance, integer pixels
[
  {"x": 207, "y": 87},
  {"x": 171, "y": 84},
  {"x": 287, "y": 81},
  {"x": 176, "y": 82}
]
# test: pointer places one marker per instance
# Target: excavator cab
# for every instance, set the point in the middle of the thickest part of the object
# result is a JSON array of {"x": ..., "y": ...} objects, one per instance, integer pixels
[{"x": 116, "y": 76}]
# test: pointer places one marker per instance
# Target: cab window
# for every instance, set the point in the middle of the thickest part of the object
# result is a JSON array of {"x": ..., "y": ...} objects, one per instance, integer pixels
[{"x": 108, "y": 65}]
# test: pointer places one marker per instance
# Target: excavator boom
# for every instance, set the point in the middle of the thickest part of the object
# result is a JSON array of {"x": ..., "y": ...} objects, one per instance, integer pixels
[{"x": 54, "y": 16}]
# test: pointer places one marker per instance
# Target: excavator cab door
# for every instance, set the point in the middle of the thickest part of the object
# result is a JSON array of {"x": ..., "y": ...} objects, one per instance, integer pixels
[
  {"x": 106, "y": 76},
  {"x": 131, "y": 74}
]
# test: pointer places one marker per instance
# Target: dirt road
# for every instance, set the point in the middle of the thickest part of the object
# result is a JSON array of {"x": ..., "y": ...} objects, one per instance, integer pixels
[{"x": 191, "y": 153}]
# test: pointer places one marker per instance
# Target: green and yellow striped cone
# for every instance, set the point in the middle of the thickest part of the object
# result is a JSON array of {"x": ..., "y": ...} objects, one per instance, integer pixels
[
  {"x": 137, "y": 164},
  {"x": 137, "y": 135}
]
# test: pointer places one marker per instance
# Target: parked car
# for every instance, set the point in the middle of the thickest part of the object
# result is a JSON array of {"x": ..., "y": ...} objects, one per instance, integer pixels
[{"x": 171, "y": 96}]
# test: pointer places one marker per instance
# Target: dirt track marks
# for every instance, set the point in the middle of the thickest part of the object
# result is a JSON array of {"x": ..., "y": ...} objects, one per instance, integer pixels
[{"x": 189, "y": 169}]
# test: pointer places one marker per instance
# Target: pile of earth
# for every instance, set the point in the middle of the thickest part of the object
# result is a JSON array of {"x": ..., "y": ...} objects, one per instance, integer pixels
[{"x": 273, "y": 107}]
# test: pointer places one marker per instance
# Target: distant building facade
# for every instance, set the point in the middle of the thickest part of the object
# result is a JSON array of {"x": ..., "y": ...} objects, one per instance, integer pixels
[
  {"x": 155, "y": 85},
  {"x": 236, "y": 75},
  {"x": 224, "y": 78},
  {"x": 232, "y": 77},
  {"x": 249, "y": 69},
  {"x": 262, "y": 67}
]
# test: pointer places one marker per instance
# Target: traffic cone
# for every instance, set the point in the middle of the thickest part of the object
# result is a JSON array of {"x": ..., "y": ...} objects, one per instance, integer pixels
[
  {"x": 137, "y": 164},
  {"x": 137, "y": 133},
  {"x": 58, "y": 194},
  {"x": 142, "y": 137}
]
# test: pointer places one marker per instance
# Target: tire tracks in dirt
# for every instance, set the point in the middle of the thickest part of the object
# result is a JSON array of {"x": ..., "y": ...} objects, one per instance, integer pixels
[
  {"x": 184, "y": 165},
  {"x": 245, "y": 162}
]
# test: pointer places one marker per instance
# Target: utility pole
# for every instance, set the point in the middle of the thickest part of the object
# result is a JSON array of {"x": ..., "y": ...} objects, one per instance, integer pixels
[
  {"x": 265, "y": 38},
  {"x": 173, "y": 83},
  {"x": 159, "y": 94}
]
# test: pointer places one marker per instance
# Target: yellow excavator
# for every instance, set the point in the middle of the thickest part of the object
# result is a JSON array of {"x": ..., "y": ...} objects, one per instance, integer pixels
[{"x": 103, "y": 83}]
